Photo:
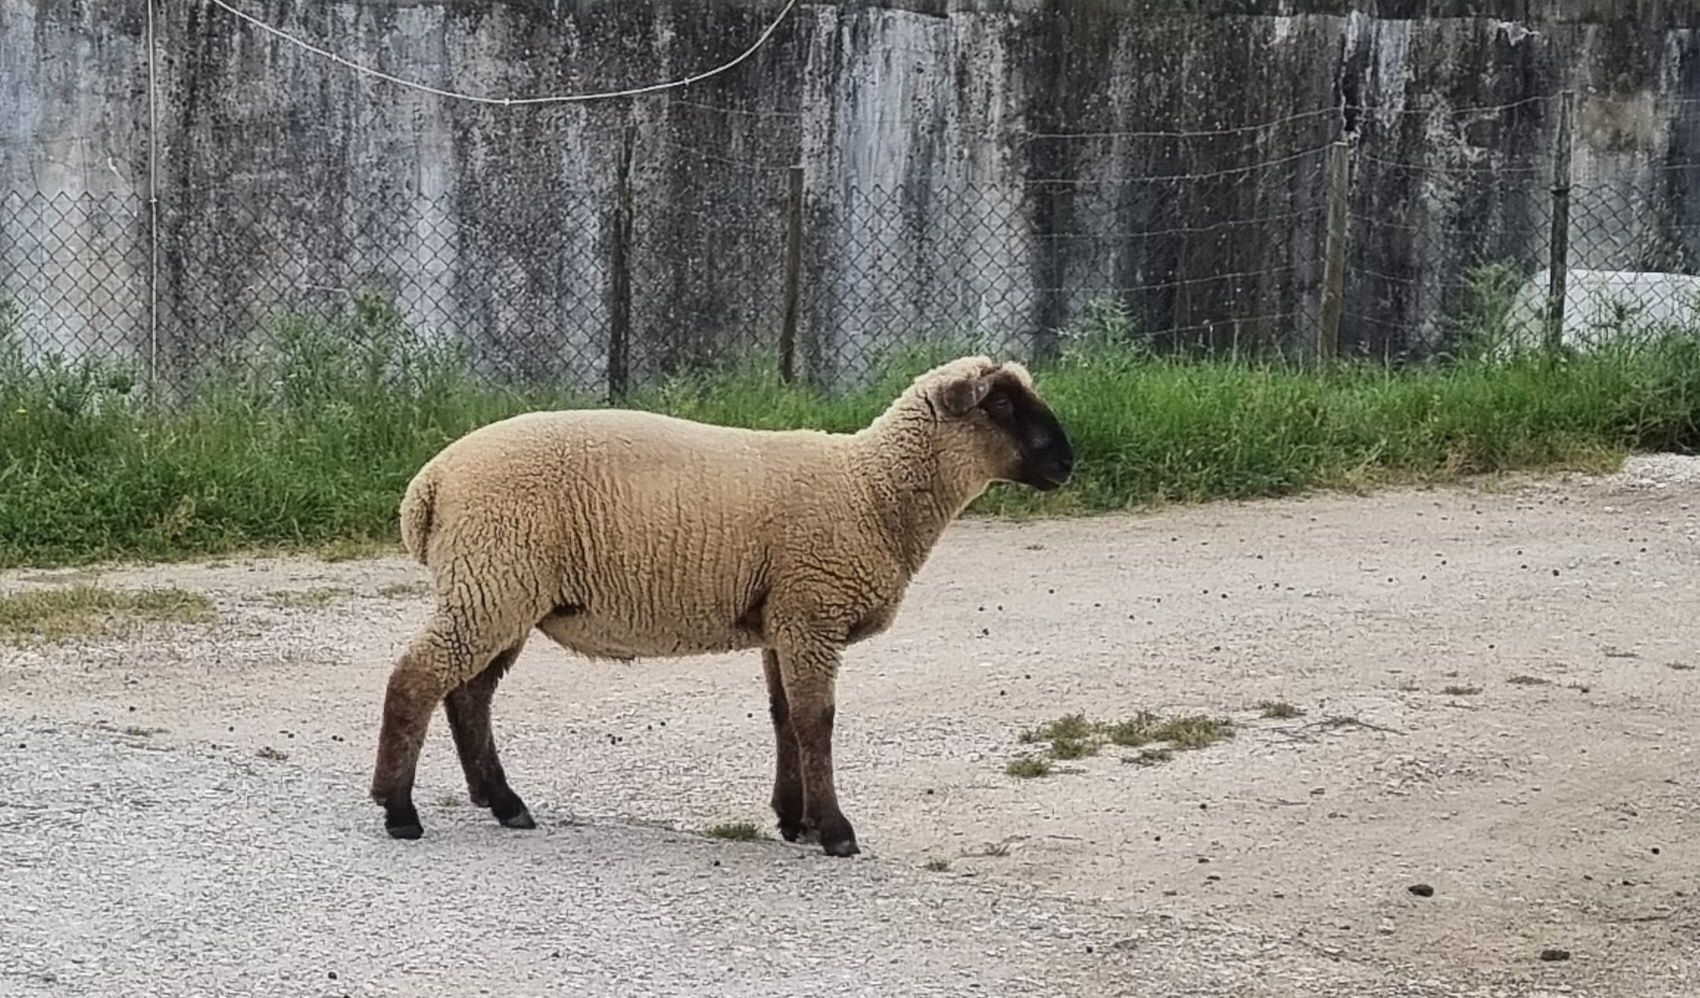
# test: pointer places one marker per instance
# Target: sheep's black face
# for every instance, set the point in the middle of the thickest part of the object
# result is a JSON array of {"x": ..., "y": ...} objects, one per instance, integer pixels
[
  {"x": 1044, "y": 456},
  {"x": 1008, "y": 429}
]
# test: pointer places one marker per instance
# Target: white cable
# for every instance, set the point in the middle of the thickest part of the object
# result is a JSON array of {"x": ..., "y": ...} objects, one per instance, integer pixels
[{"x": 509, "y": 101}]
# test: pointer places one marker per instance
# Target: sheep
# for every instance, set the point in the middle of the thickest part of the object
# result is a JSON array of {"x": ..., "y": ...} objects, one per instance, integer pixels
[{"x": 622, "y": 534}]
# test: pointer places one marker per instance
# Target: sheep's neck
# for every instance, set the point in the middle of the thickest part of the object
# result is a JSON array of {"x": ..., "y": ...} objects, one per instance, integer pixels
[{"x": 914, "y": 494}]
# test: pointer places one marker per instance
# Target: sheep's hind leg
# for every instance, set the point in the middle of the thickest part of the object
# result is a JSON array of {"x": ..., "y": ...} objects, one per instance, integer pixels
[
  {"x": 438, "y": 660},
  {"x": 787, "y": 778},
  {"x": 468, "y": 710},
  {"x": 809, "y": 670},
  {"x": 415, "y": 685}
]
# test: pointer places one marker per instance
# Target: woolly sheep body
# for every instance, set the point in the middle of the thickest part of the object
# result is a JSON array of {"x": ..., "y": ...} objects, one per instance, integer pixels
[
  {"x": 632, "y": 534},
  {"x": 621, "y": 534}
]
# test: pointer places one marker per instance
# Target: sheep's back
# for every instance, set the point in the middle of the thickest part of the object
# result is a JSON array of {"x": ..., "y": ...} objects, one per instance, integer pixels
[{"x": 636, "y": 522}]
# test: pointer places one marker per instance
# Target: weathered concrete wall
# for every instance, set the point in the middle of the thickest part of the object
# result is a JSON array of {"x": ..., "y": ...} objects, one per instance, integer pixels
[{"x": 969, "y": 165}]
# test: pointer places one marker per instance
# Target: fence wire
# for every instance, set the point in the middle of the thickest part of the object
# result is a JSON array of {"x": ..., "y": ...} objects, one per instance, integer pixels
[{"x": 678, "y": 257}]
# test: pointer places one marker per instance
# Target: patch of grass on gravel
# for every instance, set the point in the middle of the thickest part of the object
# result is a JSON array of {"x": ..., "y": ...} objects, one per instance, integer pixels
[
  {"x": 1149, "y": 757},
  {"x": 1068, "y": 726},
  {"x": 306, "y": 599},
  {"x": 1194, "y": 731},
  {"x": 1278, "y": 709},
  {"x": 403, "y": 590},
  {"x": 87, "y": 610},
  {"x": 1073, "y": 736},
  {"x": 1028, "y": 767},
  {"x": 736, "y": 831},
  {"x": 1460, "y": 691},
  {"x": 937, "y": 864}
]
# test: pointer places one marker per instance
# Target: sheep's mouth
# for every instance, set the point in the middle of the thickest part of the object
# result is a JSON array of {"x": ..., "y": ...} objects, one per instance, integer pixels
[{"x": 1049, "y": 475}]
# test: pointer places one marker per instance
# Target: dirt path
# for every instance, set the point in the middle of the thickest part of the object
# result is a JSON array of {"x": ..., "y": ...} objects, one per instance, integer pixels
[{"x": 1499, "y": 696}]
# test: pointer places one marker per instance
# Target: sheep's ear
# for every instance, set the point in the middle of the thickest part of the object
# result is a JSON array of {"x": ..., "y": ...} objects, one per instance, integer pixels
[{"x": 962, "y": 395}]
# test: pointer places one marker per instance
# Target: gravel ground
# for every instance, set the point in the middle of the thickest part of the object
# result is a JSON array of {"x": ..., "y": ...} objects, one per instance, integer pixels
[{"x": 1498, "y": 688}]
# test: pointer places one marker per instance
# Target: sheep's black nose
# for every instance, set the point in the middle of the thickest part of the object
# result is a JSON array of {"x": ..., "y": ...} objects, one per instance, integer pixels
[{"x": 1064, "y": 463}]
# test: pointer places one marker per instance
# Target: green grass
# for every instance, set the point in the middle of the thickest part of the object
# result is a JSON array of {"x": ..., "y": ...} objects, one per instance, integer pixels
[
  {"x": 1194, "y": 731},
  {"x": 1134, "y": 731},
  {"x": 736, "y": 831},
  {"x": 1150, "y": 756},
  {"x": 1073, "y": 736},
  {"x": 312, "y": 451},
  {"x": 87, "y": 610},
  {"x": 404, "y": 590},
  {"x": 1027, "y": 767},
  {"x": 1068, "y": 726},
  {"x": 1278, "y": 709},
  {"x": 306, "y": 599}
]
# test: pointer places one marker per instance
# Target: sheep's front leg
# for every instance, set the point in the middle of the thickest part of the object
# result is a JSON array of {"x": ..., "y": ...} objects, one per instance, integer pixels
[
  {"x": 808, "y": 669},
  {"x": 787, "y": 777}
]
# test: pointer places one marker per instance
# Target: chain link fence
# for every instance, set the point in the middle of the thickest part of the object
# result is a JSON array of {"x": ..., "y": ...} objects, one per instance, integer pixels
[{"x": 1296, "y": 237}]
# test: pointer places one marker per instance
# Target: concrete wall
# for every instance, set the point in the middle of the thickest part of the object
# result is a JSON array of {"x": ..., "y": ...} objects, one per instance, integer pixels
[{"x": 969, "y": 165}]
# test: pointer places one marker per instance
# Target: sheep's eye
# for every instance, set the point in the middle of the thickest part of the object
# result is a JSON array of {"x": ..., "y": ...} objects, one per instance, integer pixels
[{"x": 1000, "y": 405}]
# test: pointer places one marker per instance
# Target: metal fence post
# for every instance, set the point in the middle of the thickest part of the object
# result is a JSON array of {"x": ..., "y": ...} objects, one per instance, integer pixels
[
  {"x": 153, "y": 217},
  {"x": 620, "y": 273},
  {"x": 1558, "y": 259},
  {"x": 1334, "y": 266},
  {"x": 793, "y": 274}
]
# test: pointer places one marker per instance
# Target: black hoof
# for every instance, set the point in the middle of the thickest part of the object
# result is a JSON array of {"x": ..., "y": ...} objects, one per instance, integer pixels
[
  {"x": 512, "y": 813},
  {"x": 403, "y": 823},
  {"x": 842, "y": 847},
  {"x": 837, "y": 838},
  {"x": 791, "y": 831},
  {"x": 521, "y": 820}
]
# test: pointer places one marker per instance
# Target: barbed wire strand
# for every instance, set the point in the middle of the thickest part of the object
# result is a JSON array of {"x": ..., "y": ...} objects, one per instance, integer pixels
[
  {"x": 1257, "y": 126},
  {"x": 512, "y": 101},
  {"x": 1187, "y": 282},
  {"x": 1369, "y": 157},
  {"x": 1380, "y": 276},
  {"x": 1156, "y": 177},
  {"x": 1380, "y": 223},
  {"x": 782, "y": 113},
  {"x": 1459, "y": 111},
  {"x": 1189, "y": 230},
  {"x": 668, "y": 142},
  {"x": 1186, "y": 133}
]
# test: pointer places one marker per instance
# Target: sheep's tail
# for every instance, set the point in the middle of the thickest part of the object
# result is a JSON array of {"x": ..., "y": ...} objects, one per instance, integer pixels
[{"x": 418, "y": 505}]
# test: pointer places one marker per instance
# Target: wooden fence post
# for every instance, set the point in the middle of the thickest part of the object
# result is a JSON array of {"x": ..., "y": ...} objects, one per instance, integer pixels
[
  {"x": 620, "y": 273},
  {"x": 793, "y": 274},
  {"x": 1558, "y": 256},
  {"x": 1334, "y": 266}
]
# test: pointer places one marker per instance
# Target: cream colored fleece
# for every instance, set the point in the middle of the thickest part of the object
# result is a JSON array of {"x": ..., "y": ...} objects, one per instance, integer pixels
[{"x": 625, "y": 534}]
